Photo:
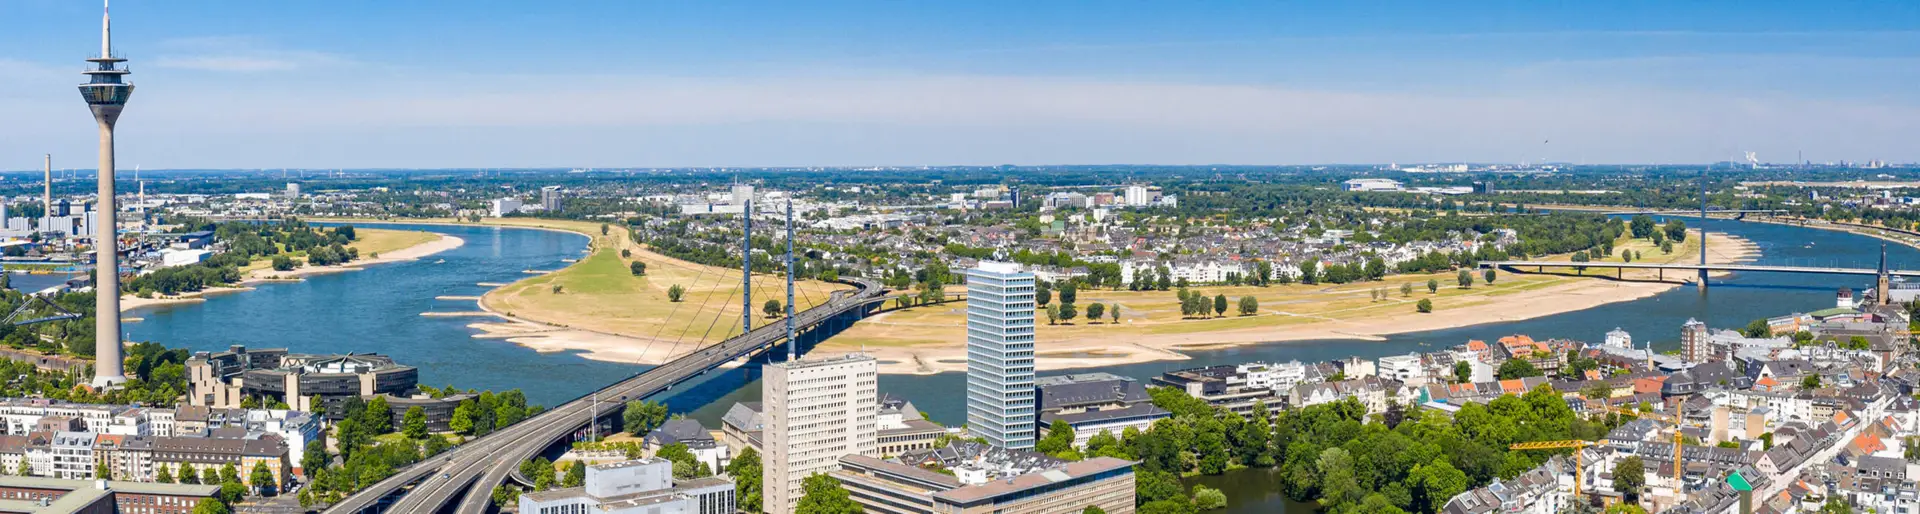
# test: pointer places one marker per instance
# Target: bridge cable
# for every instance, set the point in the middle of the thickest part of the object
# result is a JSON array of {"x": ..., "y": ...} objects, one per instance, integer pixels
[
  {"x": 716, "y": 317},
  {"x": 671, "y": 314},
  {"x": 693, "y": 319}
]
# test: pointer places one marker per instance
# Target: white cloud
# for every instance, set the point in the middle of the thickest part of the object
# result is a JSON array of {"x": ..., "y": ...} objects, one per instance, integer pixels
[{"x": 238, "y": 54}]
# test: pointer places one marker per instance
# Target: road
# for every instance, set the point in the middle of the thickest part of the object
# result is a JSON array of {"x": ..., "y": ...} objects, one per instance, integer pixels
[{"x": 474, "y": 468}]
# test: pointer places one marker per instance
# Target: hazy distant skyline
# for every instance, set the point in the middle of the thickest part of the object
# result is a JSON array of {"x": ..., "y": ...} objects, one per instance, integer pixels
[{"x": 443, "y": 84}]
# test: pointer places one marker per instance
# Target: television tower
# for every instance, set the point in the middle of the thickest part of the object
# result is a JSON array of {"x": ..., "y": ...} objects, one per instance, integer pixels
[{"x": 106, "y": 94}]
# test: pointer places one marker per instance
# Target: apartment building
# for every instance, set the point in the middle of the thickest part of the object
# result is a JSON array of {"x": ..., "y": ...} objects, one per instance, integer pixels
[{"x": 815, "y": 411}]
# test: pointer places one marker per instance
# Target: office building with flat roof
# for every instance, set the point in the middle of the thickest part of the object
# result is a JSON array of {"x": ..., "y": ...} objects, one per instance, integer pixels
[
  {"x": 815, "y": 412},
  {"x": 643, "y": 486},
  {"x": 1000, "y": 387},
  {"x": 896, "y": 487}
]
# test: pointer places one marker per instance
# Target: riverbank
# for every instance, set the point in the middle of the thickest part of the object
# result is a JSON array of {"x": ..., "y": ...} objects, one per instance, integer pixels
[
  {"x": 931, "y": 339},
  {"x": 598, "y": 309},
  {"x": 415, "y": 250},
  {"x": 1908, "y": 238}
]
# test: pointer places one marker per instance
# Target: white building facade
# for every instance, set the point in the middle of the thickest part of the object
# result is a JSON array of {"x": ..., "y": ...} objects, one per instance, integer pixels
[{"x": 1000, "y": 391}]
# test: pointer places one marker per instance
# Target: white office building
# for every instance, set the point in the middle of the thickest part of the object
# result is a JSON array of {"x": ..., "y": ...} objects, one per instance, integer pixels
[
  {"x": 644, "y": 486},
  {"x": 1000, "y": 390},
  {"x": 815, "y": 412},
  {"x": 503, "y": 206}
]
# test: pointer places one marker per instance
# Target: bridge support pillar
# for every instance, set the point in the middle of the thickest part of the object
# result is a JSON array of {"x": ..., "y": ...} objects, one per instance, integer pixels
[{"x": 1702, "y": 284}]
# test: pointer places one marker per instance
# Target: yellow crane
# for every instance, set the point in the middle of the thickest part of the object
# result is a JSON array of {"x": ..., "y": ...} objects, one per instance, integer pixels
[
  {"x": 1678, "y": 421},
  {"x": 1576, "y": 444}
]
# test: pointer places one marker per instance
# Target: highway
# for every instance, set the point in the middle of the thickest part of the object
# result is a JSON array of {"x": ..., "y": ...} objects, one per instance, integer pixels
[
  {"x": 476, "y": 467},
  {"x": 1710, "y": 267}
]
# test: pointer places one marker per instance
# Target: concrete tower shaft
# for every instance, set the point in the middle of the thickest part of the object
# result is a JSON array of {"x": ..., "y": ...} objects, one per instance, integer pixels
[{"x": 106, "y": 93}]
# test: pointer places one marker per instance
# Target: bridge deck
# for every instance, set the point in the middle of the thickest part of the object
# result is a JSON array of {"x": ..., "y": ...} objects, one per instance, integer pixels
[
  {"x": 486, "y": 461},
  {"x": 1709, "y": 267}
]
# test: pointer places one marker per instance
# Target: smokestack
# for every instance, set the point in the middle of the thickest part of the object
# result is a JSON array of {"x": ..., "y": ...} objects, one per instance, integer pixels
[{"x": 46, "y": 215}]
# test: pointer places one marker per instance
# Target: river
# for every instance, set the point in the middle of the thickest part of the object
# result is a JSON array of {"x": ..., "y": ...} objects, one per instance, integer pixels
[{"x": 378, "y": 310}]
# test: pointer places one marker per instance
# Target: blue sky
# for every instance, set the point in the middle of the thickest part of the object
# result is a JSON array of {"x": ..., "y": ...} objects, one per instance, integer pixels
[{"x": 637, "y": 84}]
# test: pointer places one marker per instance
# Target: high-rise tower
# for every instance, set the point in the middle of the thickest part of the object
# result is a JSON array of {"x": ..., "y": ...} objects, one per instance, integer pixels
[
  {"x": 1000, "y": 395},
  {"x": 106, "y": 93}
]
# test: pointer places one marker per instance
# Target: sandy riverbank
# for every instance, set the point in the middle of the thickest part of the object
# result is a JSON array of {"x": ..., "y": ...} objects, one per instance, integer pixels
[
  {"x": 1132, "y": 345},
  {"x": 415, "y": 252},
  {"x": 437, "y": 245}
]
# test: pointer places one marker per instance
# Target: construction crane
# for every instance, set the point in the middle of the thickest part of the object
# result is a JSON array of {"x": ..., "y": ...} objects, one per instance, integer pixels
[
  {"x": 1678, "y": 421},
  {"x": 1576, "y": 444}
]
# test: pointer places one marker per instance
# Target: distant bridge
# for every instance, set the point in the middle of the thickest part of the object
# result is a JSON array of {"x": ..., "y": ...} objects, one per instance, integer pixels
[
  {"x": 1696, "y": 213},
  {"x": 1755, "y": 268}
]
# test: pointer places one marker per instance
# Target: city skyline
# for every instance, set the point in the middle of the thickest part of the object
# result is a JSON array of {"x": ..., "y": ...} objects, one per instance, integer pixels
[{"x": 858, "y": 84}]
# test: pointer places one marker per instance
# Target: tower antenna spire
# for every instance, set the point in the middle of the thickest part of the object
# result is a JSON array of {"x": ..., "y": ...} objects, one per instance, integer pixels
[{"x": 106, "y": 28}]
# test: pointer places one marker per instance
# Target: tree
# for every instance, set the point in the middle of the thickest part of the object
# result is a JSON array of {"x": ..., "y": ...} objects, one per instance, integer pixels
[
  {"x": 675, "y": 293},
  {"x": 1093, "y": 509},
  {"x": 685, "y": 465},
  {"x": 1249, "y": 305},
  {"x": 229, "y": 474},
  {"x": 1220, "y": 305},
  {"x": 1096, "y": 311},
  {"x": 462, "y": 422},
  {"x": 1207, "y": 498},
  {"x": 1626, "y": 255},
  {"x": 1810, "y": 382},
  {"x": 1337, "y": 482},
  {"x": 283, "y": 263},
  {"x": 1666, "y": 247},
  {"x": 1677, "y": 230},
  {"x": 165, "y": 474},
  {"x": 1757, "y": 328},
  {"x": 414, "y": 423},
  {"x": 772, "y": 308},
  {"x": 1462, "y": 372},
  {"x": 576, "y": 475},
  {"x": 1406, "y": 289},
  {"x": 1053, "y": 314},
  {"x": 1059, "y": 438},
  {"x": 378, "y": 417},
  {"x": 1113, "y": 313},
  {"x": 1069, "y": 293},
  {"x": 1309, "y": 272},
  {"x": 1425, "y": 305},
  {"x": 210, "y": 506},
  {"x": 1465, "y": 279},
  {"x": 824, "y": 495},
  {"x": 1436, "y": 482},
  {"x": 745, "y": 470},
  {"x": 637, "y": 268},
  {"x": 1433, "y": 285},
  {"x": 261, "y": 478},
  {"x": 1042, "y": 293},
  {"x": 540, "y": 471},
  {"x": 1518, "y": 368},
  {"x": 504, "y": 495},
  {"x": 1836, "y": 505},
  {"x": 1068, "y": 311},
  {"x": 435, "y": 444},
  {"x": 1487, "y": 275},
  {"x": 642, "y": 417},
  {"x": 1642, "y": 226},
  {"x": 188, "y": 475},
  {"x": 101, "y": 471},
  {"x": 1629, "y": 476}
]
